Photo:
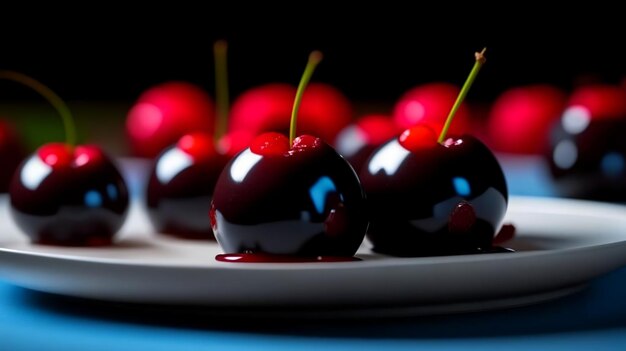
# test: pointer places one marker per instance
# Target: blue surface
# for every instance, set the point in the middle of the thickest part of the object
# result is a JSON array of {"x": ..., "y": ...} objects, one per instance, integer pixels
[{"x": 594, "y": 318}]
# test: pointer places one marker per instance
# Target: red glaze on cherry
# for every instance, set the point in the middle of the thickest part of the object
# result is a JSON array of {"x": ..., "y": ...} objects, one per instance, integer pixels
[
  {"x": 267, "y": 258},
  {"x": 305, "y": 202},
  {"x": 305, "y": 142},
  {"x": 69, "y": 196},
  {"x": 56, "y": 155},
  {"x": 462, "y": 218},
  {"x": 276, "y": 144},
  {"x": 270, "y": 144},
  {"x": 180, "y": 187},
  {"x": 505, "y": 234},
  {"x": 418, "y": 138},
  {"x": 433, "y": 199}
]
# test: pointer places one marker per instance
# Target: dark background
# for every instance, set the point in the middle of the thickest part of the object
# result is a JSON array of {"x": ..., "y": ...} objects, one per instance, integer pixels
[{"x": 373, "y": 54}]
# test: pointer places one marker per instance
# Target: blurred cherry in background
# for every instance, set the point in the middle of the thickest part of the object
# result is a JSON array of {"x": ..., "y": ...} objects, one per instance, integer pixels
[{"x": 521, "y": 118}]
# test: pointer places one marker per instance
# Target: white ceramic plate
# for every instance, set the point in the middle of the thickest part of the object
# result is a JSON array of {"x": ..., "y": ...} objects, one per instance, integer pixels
[{"x": 561, "y": 245}]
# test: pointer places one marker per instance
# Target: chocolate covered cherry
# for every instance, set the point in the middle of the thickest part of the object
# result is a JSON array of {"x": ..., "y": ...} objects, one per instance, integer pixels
[
  {"x": 183, "y": 176},
  {"x": 63, "y": 195},
  {"x": 435, "y": 196},
  {"x": 304, "y": 200},
  {"x": 587, "y": 157},
  {"x": 428, "y": 198},
  {"x": 181, "y": 185},
  {"x": 66, "y": 194}
]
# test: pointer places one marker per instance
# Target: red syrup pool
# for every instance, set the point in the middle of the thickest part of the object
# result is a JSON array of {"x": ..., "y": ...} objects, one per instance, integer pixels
[
  {"x": 268, "y": 258},
  {"x": 506, "y": 233}
]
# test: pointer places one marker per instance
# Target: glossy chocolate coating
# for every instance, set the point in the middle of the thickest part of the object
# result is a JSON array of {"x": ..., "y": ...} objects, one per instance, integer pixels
[
  {"x": 588, "y": 159},
  {"x": 72, "y": 206},
  {"x": 308, "y": 203},
  {"x": 434, "y": 201},
  {"x": 180, "y": 191}
]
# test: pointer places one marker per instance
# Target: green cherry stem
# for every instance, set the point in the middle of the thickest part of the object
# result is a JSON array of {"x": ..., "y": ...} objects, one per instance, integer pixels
[
  {"x": 480, "y": 60},
  {"x": 221, "y": 87},
  {"x": 51, "y": 96},
  {"x": 314, "y": 59}
]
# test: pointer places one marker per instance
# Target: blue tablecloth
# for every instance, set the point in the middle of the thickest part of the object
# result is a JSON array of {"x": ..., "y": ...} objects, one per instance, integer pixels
[{"x": 594, "y": 318}]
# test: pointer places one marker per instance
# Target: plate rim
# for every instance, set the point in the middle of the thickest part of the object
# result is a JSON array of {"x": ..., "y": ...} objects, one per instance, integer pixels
[
  {"x": 453, "y": 283},
  {"x": 527, "y": 203}
]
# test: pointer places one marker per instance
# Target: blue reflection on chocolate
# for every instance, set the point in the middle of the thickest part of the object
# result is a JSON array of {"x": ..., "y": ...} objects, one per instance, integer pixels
[
  {"x": 93, "y": 199},
  {"x": 613, "y": 164},
  {"x": 462, "y": 186},
  {"x": 112, "y": 191},
  {"x": 320, "y": 190}
]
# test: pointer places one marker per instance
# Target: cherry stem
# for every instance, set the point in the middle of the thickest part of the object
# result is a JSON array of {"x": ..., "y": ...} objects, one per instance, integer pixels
[
  {"x": 51, "y": 96},
  {"x": 314, "y": 59},
  {"x": 480, "y": 60},
  {"x": 221, "y": 87}
]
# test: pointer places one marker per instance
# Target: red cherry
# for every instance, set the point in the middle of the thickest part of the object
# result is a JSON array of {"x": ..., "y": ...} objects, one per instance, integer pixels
[
  {"x": 521, "y": 118},
  {"x": 198, "y": 145},
  {"x": 429, "y": 104},
  {"x": 263, "y": 108},
  {"x": 165, "y": 113},
  {"x": 418, "y": 138},
  {"x": 324, "y": 110},
  {"x": 599, "y": 101}
]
